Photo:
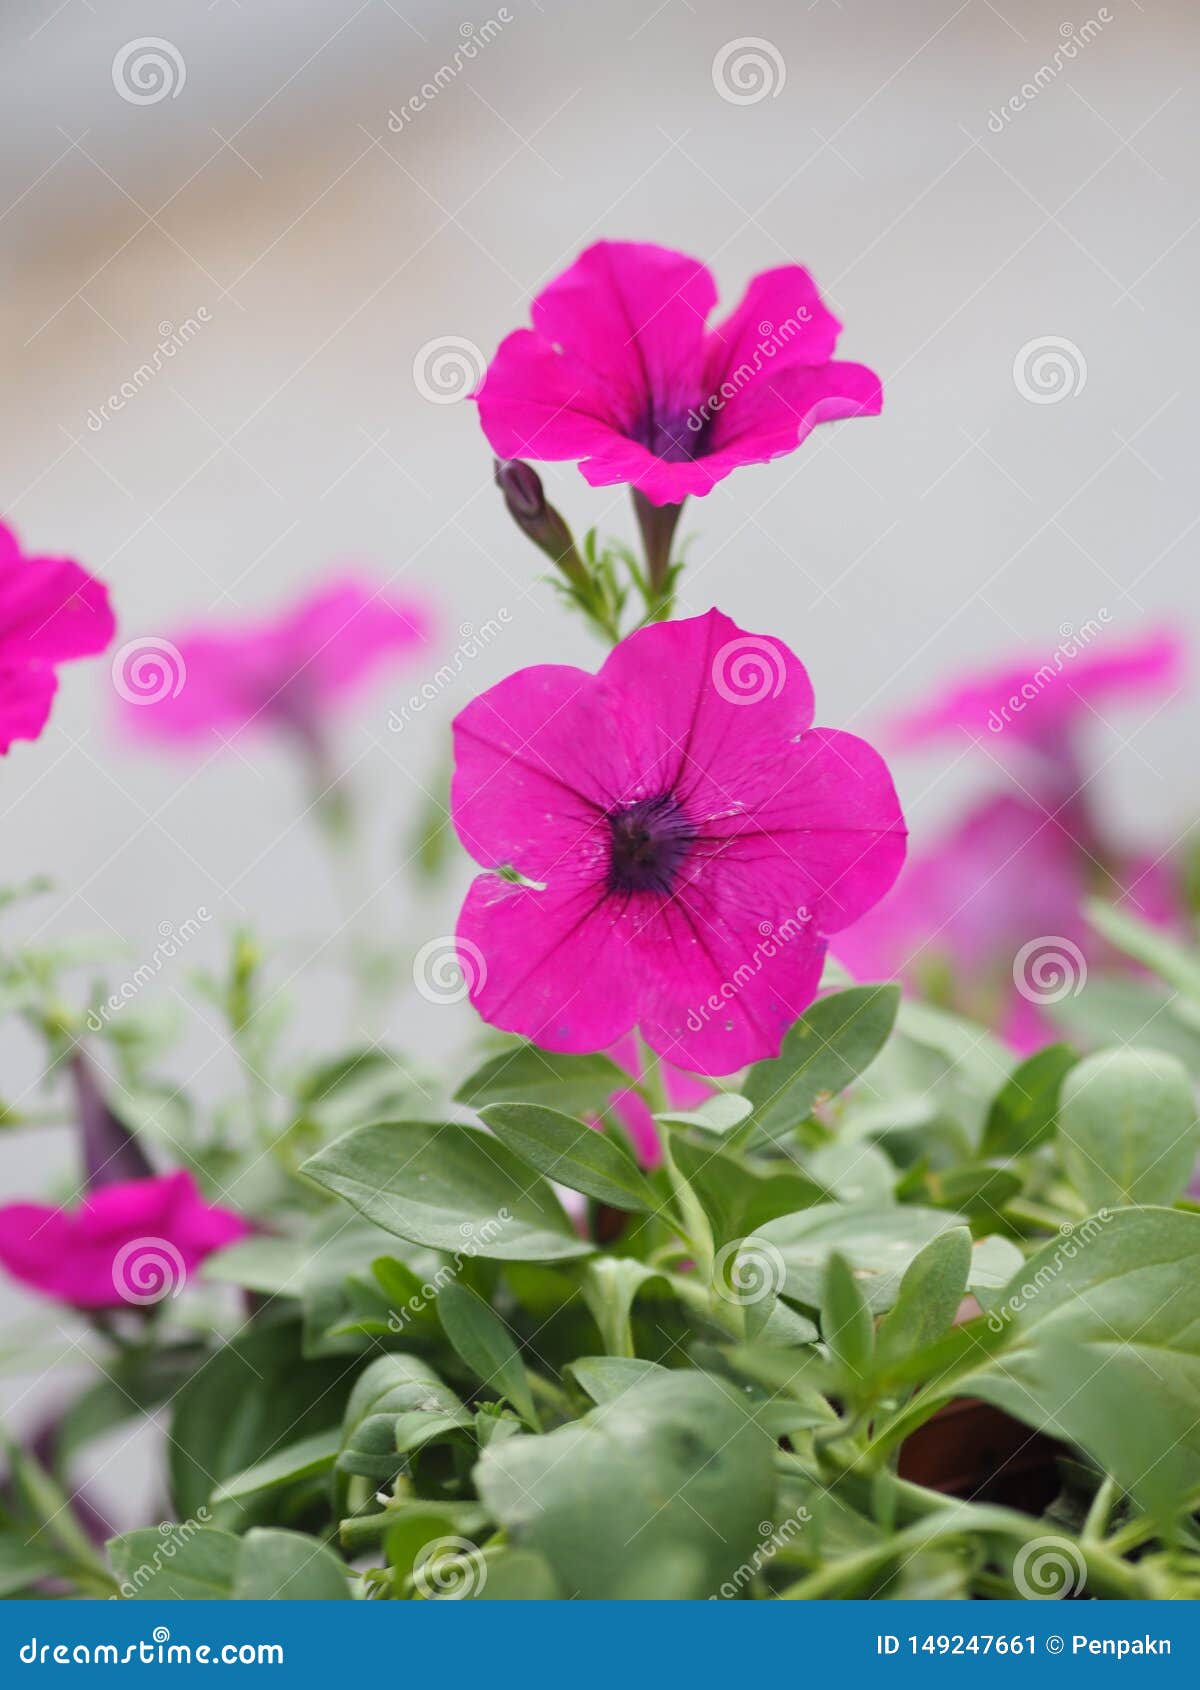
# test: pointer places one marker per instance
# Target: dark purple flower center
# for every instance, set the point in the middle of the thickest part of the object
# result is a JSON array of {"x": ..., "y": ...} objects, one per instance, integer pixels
[
  {"x": 650, "y": 840},
  {"x": 671, "y": 437}
]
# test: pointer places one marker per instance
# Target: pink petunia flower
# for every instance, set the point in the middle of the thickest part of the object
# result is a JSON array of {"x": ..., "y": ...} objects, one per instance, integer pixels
[
  {"x": 1004, "y": 874},
  {"x": 620, "y": 371},
  {"x": 128, "y": 1244},
  {"x": 284, "y": 672},
  {"x": 990, "y": 917},
  {"x": 684, "y": 841},
  {"x": 51, "y": 611},
  {"x": 1041, "y": 702}
]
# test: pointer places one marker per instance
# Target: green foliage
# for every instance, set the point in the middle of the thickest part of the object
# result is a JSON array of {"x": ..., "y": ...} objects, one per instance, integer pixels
[{"x": 435, "y": 1376}]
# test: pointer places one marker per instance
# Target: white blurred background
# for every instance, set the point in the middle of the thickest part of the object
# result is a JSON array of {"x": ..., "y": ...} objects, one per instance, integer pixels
[{"x": 267, "y": 193}]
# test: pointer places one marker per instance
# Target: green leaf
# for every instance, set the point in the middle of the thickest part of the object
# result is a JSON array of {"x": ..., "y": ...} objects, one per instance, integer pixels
[
  {"x": 1103, "y": 1349},
  {"x": 846, "y": 1326},
  {"x": 397, "y": 1406},
  {"x": 485, "y": 1344},
  {"x": 1128, "y": 1128},
  {"x": 719, "y": 1114},
  {"x": 658, "y": 1493},
  {"x": 605, "y": 1378},
  {"x": 24, "y": 1565},
  {"x": 833, "y": 1042},
  {"x": 279, "y": 1565},
  {"x": 270, "y": 1266},
  {"x": 737, "y": 1197},
  {"x": 610, "y": 1284},
  {"x": 878, "y": 1244},
  {"x": 571, "y": 1153},
  {"x": 1114, "y": 1010},
  {"x": 1174, "y": 963},
  {"x": 253, "y": 1397},
  {"x": 183, "y": 1563},
  {"x": 305, "y": 1459},
  {"x": 1024, "y": 1110},
  {"x": 578, "y": 1085},
  {"x": 515, "y": 1575},
  {"x": 452, "y": 1187},
  {"x": 933, "y": 1286},
  {"x": 338, "y": 1289}
]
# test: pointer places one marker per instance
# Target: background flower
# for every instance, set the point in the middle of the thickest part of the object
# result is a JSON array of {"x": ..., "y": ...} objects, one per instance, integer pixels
[
  {"x": 51, "y": 611},
  {"x": 130, "y": 1243},
  {"x": 287, "y": 671}
]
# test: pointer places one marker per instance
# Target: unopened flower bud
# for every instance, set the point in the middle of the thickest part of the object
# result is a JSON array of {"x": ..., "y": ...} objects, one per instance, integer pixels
[{"x": 526, "y": 500}]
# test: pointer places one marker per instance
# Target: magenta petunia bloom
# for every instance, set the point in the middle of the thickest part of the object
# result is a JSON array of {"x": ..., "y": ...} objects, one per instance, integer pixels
[
  {"x": 51, "y": 611},
  {"x": 1005, "y": 873},
  {"x": 1039, "y": 703},
  {"x": 621, "y": 372},
  {"x": 990, "y": 917},
  {"x": 684, "y": 841},
  {"x": 128, "y": 1244},
  {"x": 288, "y": 671}
]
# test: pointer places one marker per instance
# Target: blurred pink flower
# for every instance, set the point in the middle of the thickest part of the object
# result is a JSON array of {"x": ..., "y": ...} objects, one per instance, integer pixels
[
  {"x": 686, "y": 841},
  {"x": 1039, "y": 703},
  {"x": 1004, "y": 874},
  {"x": 990, "y": 917},
  {"x": 620, "y": 371},
  {"x": 127, "y": 1244},
  {"x": 288, "y": 671},
  {"x": 51, "y": 611}
]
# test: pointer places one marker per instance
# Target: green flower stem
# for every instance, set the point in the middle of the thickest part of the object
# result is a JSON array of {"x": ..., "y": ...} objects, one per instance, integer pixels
[
  {"x": 1100, "y": 1512},
  {"x": 1107, "y": 1574},
  {"x": 657, "y": 524}
]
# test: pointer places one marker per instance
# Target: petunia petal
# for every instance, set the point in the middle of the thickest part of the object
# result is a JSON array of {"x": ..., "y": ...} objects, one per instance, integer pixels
[
  {"x": 834, "y": 815},
  {"x": 779, "y": 322},
  {"x": 707, "y": 710},
  {"x": 552, "y": 964},
  {"x": 537, "y": 767},
  {"x": 729, "y": 966},
  {"x": 26, "y": 694},
  {"x": 633, "y": 314}
]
